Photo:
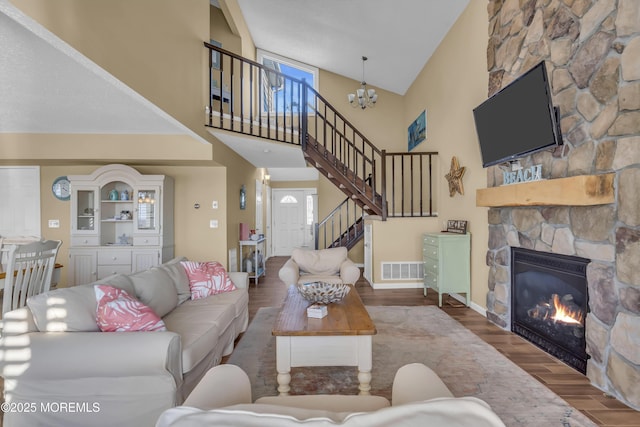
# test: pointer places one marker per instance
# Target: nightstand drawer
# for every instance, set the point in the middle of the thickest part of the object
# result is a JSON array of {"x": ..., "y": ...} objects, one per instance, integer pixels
[
  {"x": 108, "y": 270},
  {"x": 107, "y": 257},
  {"x": 430, "y": 240},
  {"x": 146, "y": 241},
  {"x": 430, "y": 266},
  {"x": 85, "y": 241},
  {"x": 431, "y": 281},
  {"x": 430, "y": 252}
]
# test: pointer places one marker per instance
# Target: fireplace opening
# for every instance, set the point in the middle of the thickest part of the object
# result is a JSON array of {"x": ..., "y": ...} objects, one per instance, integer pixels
[{"x": 549, "y": 303}]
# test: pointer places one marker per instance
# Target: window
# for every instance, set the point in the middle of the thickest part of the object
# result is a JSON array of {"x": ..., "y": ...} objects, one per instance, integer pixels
[
  {"x": 288, "y": 199},
  {"x": 310, "y": 212},
  {"x": 282, "y": 95},
  {"x": 20, "y": 192}
]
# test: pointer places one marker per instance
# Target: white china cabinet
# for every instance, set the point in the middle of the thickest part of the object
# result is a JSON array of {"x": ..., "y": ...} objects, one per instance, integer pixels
[{"x": 121, "y": 222}]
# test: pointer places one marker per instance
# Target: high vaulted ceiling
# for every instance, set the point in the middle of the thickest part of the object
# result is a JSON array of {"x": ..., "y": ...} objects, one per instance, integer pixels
[
  {"x": 46, "y": 86},
  {"x": 397, "y": 36},
  {"x": 49, "y": 87}
]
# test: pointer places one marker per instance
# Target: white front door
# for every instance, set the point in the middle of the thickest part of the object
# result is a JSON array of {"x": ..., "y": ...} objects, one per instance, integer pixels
[{"x": 288, "y": 220}]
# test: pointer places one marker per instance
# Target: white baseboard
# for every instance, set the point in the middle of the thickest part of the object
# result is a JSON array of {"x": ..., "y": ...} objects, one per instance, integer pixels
[
  {"x": 397, "y": 285},
  {"x": 478, "y": 308}
]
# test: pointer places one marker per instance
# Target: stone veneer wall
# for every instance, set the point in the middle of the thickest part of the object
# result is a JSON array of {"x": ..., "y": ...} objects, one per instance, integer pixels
[{"x": 592, "y": 52}]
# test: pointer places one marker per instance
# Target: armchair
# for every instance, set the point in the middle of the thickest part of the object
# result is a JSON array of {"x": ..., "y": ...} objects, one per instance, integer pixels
[
  {"x": 323, "y": 265},
  {"x": 419, "y": 398}
]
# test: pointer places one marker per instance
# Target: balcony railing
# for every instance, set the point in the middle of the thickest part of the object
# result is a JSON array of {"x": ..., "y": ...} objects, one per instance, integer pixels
[{"x": 251, "y": 99}]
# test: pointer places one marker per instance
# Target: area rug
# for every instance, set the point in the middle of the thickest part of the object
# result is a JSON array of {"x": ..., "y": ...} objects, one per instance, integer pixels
[{"x": 467, "y": 365}]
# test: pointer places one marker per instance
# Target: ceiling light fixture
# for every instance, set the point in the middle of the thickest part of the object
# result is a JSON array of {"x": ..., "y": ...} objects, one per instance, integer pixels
[{"x": 363, "y": 97}]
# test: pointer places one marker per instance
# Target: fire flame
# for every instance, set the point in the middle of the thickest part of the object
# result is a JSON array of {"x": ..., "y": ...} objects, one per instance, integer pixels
[{"x": 564, "y": 314}]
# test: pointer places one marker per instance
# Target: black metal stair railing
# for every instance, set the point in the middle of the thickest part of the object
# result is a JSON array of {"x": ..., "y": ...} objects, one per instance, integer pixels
[
  {"x": 353, "y": 155},
  {"x": 410, "y": 179},
  {"x": 249, "y": 98},
  {"x": 343, "y": 226}
]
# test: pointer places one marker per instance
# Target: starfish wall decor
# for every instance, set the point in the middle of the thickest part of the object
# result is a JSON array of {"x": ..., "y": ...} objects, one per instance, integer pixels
[{"x": 455, "y": 177}]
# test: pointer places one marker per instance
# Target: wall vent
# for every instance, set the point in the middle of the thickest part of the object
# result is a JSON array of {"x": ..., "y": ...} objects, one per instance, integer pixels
[{"x": 402, "y": 270}]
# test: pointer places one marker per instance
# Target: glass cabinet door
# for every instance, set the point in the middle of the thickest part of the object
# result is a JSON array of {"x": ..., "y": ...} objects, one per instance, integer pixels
[
  {"x": 116, "y": 216},
  {"x": 147, "y": 209},
  {"x": 85, "y": 212}
]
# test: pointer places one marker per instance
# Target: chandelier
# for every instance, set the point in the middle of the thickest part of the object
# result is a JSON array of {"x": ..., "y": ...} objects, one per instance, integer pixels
[{"x": 363, "y": 97}]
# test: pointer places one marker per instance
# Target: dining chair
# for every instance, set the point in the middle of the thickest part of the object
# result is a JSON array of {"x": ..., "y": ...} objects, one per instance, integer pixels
[{"x": 29, "y": 270}]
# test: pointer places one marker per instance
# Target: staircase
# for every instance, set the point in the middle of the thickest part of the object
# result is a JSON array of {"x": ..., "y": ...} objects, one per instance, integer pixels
[
  {"x": 252, "y": 99},
  {"x": 359, "y": 190}
]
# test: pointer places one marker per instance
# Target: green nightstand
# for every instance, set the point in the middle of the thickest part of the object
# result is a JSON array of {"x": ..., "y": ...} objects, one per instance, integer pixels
[{"x": 447, "y": 268}]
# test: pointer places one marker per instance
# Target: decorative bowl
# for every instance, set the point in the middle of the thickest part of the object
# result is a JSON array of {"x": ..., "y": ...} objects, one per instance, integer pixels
[{"x": 323, "y": 293}]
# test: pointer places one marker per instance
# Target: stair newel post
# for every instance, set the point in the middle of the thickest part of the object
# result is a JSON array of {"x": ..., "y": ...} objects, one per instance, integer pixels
[
  {"x": 241, "y": 66},
  {"x": 383, "y": 184},
  {"x": 430, "y": 187},
  {"x": 317, "y": 235},
  {"x": 209, "y": 110},
  {"x": 304, "y": 119},
  {"x": 232, "y": 101},
  {"x": 363, "y": 173},
  {"x": 260, "y": 91},
  {"x": 340, "y": 227},
  {"x": 251, "y": 73},
  {"x": 221, "y": 75}
]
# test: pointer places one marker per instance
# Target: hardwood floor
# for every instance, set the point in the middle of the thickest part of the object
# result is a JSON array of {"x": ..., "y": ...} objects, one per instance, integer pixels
[{"x": 569, "y": 384}]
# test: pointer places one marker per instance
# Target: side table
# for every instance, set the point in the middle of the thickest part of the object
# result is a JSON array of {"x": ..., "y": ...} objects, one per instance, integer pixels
[{"x": 259, "y": 269}]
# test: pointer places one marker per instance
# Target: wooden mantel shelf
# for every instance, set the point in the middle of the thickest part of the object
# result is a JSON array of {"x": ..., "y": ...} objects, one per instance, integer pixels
[{"x": 582, "y": 190}]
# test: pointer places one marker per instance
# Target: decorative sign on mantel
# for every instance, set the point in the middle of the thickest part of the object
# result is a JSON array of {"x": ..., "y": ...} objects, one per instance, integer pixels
[
  {"x": 456, "y": 226},
  {"x": 533, "y": 173}
]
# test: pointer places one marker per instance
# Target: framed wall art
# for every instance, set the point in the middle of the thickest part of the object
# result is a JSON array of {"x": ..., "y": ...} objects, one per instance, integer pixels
[{"x": 417, "y": 131}]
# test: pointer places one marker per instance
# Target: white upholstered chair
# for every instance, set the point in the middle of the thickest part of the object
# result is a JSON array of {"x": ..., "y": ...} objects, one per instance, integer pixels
[
  {"x": 322, "y": 265},
  {"x": 28, "y": 272}
]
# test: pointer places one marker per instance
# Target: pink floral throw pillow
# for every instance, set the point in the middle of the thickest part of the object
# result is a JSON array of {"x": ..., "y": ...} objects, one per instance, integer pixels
[
  {"x": 207, "y": 278},
  {"x": 120, "y": 312}
]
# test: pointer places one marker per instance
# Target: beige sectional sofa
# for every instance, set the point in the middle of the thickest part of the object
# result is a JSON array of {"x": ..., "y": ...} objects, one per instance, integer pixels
[
  {"x": 59, "y": 369},
  {"x": 419, "y": 398}
]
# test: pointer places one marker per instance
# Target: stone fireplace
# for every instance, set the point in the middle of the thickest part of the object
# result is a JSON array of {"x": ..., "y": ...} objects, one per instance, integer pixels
[{"x": 592, "y": 52}]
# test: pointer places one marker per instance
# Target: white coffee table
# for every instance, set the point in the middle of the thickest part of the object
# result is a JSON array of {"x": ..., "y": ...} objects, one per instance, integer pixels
[{"x": 342, "y": 338}]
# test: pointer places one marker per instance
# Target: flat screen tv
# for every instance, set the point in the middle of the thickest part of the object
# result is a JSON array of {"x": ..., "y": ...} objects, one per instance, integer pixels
[{"x": 518, "y": 120}]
